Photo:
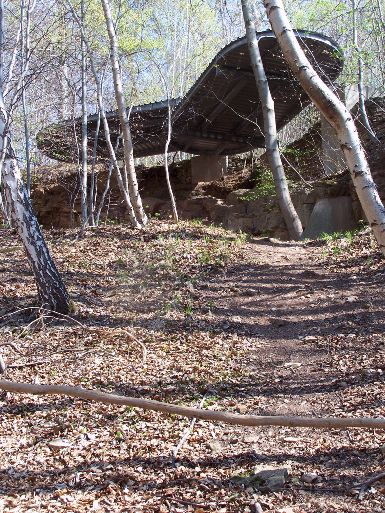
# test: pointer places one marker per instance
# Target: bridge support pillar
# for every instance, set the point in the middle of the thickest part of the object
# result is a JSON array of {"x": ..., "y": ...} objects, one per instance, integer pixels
[{"x": 208, "y": 168}]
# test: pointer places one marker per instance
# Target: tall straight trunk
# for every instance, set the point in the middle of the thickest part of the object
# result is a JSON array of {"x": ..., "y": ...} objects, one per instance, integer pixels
[
  {"x": 361, "y": 95},
  {"x": 93, "y": 182},
  {"x": 122, "y": 110},
  {"x": 335, "y": 113},
  {"x": 381, "y": 14},
  {"x": 107, "y": 134},
  {"x": 84, "y": 141},
  {"x": 166, "y": 169},
  {"x": 25, "y": 51},
  {"x": 106, "y": 186},
  {"x": 292, "y": 221}
]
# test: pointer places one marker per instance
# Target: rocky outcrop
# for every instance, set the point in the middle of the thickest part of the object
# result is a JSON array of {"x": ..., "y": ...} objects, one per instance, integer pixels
[{"x": 231, "y": 201}]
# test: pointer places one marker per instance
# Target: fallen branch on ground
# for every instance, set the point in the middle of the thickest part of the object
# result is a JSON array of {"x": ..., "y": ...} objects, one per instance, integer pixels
[
  {"x": 187, "y": 431},
  {"x": 29, "y": 364},
  {"x": 364, "y": 487},
  {"x": 186, "y": 411}
]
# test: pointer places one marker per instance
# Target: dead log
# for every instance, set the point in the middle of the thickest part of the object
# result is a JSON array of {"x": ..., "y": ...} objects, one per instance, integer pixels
[{"x": 187, "y": 411}]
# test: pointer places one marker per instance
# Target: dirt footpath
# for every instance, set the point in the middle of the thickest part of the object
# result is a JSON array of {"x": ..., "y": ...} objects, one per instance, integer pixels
[{"x": 195, "y": 315}]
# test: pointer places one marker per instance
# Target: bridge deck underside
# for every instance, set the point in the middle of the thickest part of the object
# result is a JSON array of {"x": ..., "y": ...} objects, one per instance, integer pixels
[{"x": 220, "y": 115}]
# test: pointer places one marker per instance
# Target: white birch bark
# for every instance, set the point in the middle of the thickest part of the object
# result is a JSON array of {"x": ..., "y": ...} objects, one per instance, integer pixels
[
  {"x": 360, "y": 78},
  {"x": 93, "y": 179},
  {"x": 25, "y": 49},
  {"x": 122, "y": 110},
  {"x": 99, "y": 94},
  {"x": 292, "y": 221},
  {"x": 84, "y": 141},
  {"x": 335, "y": 113},
  {"x": 169, "y": 134},
  {"x": 166, "y": 169},
  {"x": 51, "y": 289},
  {"x": 106, "y": 186}
]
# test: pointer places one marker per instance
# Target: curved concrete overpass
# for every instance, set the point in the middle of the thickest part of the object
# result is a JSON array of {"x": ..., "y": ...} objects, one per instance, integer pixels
[{"x": 220, "y": 115}]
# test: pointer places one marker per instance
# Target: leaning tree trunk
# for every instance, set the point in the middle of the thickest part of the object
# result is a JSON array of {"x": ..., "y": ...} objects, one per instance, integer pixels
[
  {"x": 124, "y": 121},
  {"x": 50, "y": 287},
  {"x": 51, "y": 290},
  {"x": 335, "y": 113},
  {"x": 292, "y": 221}
]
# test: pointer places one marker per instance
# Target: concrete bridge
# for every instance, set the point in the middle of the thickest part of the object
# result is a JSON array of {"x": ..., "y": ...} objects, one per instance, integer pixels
[{"x": 220, "y": 115}]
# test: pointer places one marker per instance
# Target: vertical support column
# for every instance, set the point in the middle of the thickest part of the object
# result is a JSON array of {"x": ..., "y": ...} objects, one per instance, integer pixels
[{"x": 208, "y": 168}]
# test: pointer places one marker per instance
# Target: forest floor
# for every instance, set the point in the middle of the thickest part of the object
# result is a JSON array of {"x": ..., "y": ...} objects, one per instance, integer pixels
[{"x": 194, "y": 315}]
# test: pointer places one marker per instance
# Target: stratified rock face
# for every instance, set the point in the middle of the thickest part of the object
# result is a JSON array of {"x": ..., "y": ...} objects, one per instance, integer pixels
[{"x": 230, "y": 202}]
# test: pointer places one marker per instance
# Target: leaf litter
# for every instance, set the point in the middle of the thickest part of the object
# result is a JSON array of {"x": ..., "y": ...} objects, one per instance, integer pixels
[{"x": 188, "y": 314}]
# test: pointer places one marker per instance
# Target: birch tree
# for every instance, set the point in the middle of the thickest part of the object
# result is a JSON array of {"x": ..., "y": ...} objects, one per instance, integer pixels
[
  {"x": 123, "y": 117},
  {"x": 51, "y": 289},
  {"x": 101, "y": 111},
  {"x": 292, "y": 221},
  {"x": 84, "y": 141},
  {"x": 360, "y": 71},
  {"x": 25, "y": 56},
  {"x": 335, "y": 113}
]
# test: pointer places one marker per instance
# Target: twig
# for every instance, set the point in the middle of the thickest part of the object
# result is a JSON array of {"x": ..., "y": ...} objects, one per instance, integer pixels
[
  {"x": 3, "y": 365},
  {"x": 45, "y": 313},
  {"x": 133, "y": 339},
  {"x": 366, "y": 484},
  {"x": 11, "y": 314},
  {"x": 67, "y": 317},
  {"x": 188, "y": 430},
  {"x": 35, "y": 321},
  {"x": 12, "y": 345},
  {"x": 187, "y": 411},
  {"x": 191, "y": 503},
  {"x": 29, "y": 364},
  {"x": 295, "y": 170}
]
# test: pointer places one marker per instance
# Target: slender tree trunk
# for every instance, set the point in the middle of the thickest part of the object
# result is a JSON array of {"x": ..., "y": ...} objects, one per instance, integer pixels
[
  {"x": 3, "y": 207},
  {"x": 84, "y": 142},
  {"x": 169, "y": 133},
  {"x": 166, "y": 169},
  {"x": 335, "y": 113},
  {"x": 361, "y": 95},
  {"x": 93, "y": 183},
  {"x": 122, "y": 110},
  {"x": 381, "y": 14},
  {"x": 123, "y": 190},
  {"x": 107, "y": 186},
  {"x": 51, "y": 289},
  {"x": 292, "y": 221},
  {"x": 25, "y": 50}
]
